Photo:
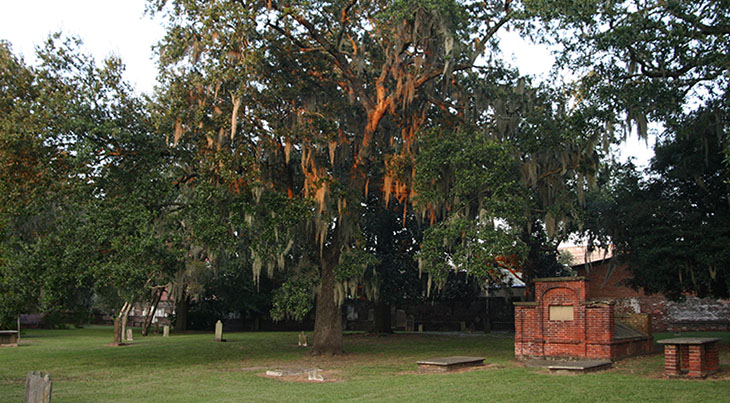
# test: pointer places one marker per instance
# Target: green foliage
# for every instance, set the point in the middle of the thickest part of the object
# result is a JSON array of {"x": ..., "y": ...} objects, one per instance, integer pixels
[
  {"x": 474, "y": 182},
  {"x": 293, "y": 300},
  {"x": 89, "y": 200},
  {"x": 644, "y": 58},
  {"x": 672, "y": 225},
  {"x": 353, "y": 264}
]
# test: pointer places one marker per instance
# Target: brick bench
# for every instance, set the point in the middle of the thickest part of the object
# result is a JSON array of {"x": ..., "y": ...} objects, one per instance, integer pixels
[
  {"x": 695, "y": 357},
  {"x": 447, "y": 364}
]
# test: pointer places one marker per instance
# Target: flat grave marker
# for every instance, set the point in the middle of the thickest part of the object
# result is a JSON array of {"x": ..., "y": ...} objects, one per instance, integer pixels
[{"x": 446, "y": 364}]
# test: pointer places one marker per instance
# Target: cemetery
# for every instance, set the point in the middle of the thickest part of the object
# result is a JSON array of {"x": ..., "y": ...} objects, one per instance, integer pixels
[
  {"x": 273, "y": 366},
  {"x": 381, "y": 200}
]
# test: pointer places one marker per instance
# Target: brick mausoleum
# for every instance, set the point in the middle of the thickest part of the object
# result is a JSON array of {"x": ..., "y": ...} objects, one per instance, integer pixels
[{"x": 563, "y": 323}]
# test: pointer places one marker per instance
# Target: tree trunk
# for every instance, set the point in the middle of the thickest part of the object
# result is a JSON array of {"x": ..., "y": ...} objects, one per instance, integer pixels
[
  {"x": 125, "y": 315},
  {"x": 117, "y": 330},
  {"x": 18, "y": 328},
  {"x": 181, "y": 314},
  {"x": 487, "y": 317},
  {"x": 381, "y": 319},
  {"x": 151, "y": 313},
  {"x": 328, "y": 320}
]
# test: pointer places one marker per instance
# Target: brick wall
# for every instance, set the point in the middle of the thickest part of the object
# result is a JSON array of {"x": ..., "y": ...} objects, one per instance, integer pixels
[{"x": 692, "y": 314}]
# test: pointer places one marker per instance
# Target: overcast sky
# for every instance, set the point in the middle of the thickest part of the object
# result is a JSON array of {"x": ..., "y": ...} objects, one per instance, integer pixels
[{"x": 115, "y": 27}]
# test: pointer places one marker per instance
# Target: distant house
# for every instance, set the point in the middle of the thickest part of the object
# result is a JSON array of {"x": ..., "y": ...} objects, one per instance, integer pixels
[{"x": 608, "y": 281}]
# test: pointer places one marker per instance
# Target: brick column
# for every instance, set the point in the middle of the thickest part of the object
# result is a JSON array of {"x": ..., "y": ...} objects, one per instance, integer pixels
[
  {"x": 712, "y": 357},
  {"x": 696, "y": 360},
  {"x": 671, "y": 360}
]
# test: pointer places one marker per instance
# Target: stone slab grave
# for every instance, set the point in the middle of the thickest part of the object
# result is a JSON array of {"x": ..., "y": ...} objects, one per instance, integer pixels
[
  {"x": 313, "y": 374},
  {"x": 8, "y": 338},
  {"x": 130, "y": 335},
  {"x": 446, "y": 364},
  {"x": 570, "y": 366},
  {"x": 38, "y": 388}
]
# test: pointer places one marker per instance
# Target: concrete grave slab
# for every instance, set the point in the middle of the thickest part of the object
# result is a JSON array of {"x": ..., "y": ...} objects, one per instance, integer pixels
[
  {"x": 570, "y": 366},
  {"x": 446, "y": 364}
]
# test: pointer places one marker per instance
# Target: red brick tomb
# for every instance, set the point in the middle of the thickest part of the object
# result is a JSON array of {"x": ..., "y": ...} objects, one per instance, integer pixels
[{"x": 563, "y": 323}]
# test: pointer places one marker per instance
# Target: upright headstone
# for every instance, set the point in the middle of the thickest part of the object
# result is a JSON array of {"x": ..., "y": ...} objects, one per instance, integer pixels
[
  {"x": 400, "y": 319},
  {"x": 166, "y": 331},
  {"x": 130, "y": 335},
  {"x": 219, "y": 331},
  {"x": 420, "y": 328},
  {"x": 38, "y": 388},
  {"x": 302, "y": 339},
  {"x": 410, "y": 321}
]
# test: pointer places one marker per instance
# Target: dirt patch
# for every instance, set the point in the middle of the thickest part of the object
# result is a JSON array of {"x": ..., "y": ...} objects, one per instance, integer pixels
[{"x": 329, "y": 376}]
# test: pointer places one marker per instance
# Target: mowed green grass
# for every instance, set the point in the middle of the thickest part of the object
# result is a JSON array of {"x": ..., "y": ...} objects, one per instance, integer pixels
[{"x": 193, "y": 368}]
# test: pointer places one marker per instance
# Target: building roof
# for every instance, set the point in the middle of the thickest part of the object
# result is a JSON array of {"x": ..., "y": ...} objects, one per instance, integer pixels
[{"x": 581, "y": 255}]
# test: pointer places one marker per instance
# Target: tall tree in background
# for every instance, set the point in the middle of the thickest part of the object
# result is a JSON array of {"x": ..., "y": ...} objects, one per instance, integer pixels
[
  {"x": 672, "y": 226},
  {"x": 643, "y": 60},
  {"x": 32, "y": 173},
  {"x": 92, "y": 215},
  {"x": 515, "y": 175},
  {"x": 319, "y": 101},
  {"x": 665, "y": 62}
]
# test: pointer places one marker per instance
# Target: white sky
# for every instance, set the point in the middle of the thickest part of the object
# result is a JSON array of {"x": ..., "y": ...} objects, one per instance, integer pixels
[
  {"x": 107, "y": 27},
  {"x": 121, "y": 28}
]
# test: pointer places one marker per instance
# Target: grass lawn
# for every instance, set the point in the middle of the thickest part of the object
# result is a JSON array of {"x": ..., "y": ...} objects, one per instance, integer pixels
[{"x": 193, "y": 368}]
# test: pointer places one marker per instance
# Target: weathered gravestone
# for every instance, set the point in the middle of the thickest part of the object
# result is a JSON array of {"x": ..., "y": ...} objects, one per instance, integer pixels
[
  {"x": 130, "y": 335},
  {"x": 410, "y": 322},
  {"x": 400, "y": 319},
  {"x": 314, "y": 375},
  {"x": 302, "y": 339},
  {"x": 38, "y": 388},
  {"x": 219, "y": 331},
  {"x": 166, "y": 331}
]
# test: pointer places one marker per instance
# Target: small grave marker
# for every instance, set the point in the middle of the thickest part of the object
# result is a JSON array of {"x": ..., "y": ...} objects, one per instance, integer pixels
[
  {"x": 400, "y": 319},
  {"x": 410, "y": 320},
  {"x": 38, "y": 388},
  {"x": 302, "y": 339},
  {"x": 166, "y": 331},
  {"x": 314, "y": 375},
  {"x": 219, "y": 331},
  {"x": 130, "y": 335}
]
